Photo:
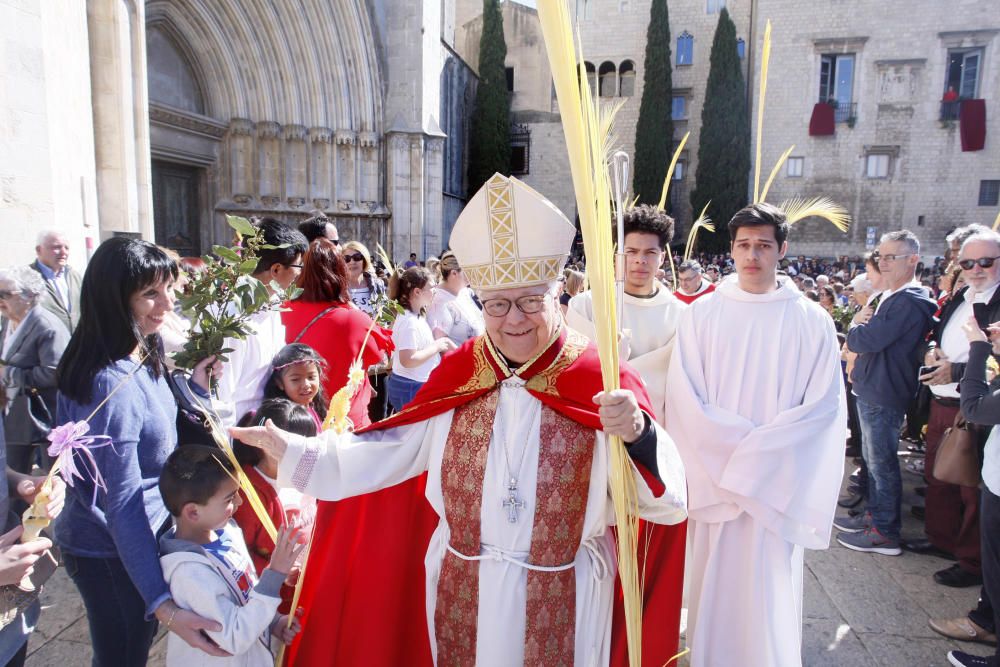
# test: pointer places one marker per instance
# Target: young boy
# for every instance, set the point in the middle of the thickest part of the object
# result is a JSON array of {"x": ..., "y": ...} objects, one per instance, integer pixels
[{"x": 208, "y": 568}]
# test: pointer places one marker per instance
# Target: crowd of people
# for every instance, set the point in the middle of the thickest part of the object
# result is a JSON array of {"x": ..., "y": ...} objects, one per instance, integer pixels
[{"x": 723, "y": 427}]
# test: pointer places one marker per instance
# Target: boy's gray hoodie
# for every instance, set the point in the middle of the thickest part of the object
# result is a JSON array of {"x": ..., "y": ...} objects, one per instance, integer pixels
[{"x": 200, "y": 583}]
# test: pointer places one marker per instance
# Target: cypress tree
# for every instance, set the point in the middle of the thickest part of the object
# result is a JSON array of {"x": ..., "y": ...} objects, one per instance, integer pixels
[
  {"x": 489, "y": 150},
  {"x": 724, "y": 142},
  {"x": 654, "y": 130}
]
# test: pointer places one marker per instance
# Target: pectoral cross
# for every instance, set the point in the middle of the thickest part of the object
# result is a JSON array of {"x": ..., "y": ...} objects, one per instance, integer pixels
[{"x": 511, "y": 502}]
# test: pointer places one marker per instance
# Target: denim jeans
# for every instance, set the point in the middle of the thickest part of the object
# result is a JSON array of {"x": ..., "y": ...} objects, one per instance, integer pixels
[
  {"x": 401, "y": 390},
  {"x": 880, "y": 448},
  {"x": 119, "y": 632}
]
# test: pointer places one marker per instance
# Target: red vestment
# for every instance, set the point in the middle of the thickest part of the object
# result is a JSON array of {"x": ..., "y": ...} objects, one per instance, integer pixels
[{"x": 364, "y": 596}]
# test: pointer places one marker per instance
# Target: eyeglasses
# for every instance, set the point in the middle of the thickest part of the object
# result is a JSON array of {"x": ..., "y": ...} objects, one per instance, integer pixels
[
  {"x": 878, "y": 257},
  {"x": 356, "y": 257},
  {"x": 4, "y": 294},
  {"x": 985, "y": 262},
  {"x": 295, "y": 266},
  {"x": 529, "y": 305},
  {"x": 334, "y": 241}
]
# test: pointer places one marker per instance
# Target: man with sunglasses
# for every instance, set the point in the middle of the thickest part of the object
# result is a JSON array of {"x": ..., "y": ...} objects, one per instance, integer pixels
[
  {"x": 511, "y": 430},
  {"x": 887, "y": 339}
]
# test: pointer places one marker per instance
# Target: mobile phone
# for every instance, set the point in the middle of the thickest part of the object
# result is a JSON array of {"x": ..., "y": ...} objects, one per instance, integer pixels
[{"x": 925, "y": 370}]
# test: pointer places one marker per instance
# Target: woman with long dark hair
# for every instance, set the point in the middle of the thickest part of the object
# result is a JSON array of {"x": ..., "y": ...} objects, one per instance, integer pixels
[
  {"x": 324, "y": 318},
  {"x": 108, "y": 532}
]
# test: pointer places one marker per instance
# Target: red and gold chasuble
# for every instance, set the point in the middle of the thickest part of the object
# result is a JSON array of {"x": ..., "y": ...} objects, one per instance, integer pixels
[{"x": 565, "y": 378}]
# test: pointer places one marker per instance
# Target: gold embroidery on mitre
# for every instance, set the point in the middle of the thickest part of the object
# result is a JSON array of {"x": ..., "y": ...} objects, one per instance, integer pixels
[{"x": 507, "y": 269}]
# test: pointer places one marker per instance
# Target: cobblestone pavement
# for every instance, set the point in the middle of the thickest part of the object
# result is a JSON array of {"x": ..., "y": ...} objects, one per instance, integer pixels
[{"x": 861, "y": 610}]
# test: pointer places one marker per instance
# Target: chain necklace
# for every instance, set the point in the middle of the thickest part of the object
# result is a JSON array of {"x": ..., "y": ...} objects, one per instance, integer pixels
[{"x": 511, "y": 503}]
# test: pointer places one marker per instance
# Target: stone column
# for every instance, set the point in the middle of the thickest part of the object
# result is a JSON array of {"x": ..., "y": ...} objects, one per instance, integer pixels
[
  {"x": 369, "y": 191},
  {"x": 398, "y": 167},
  {"x": 120, "y": 106},
  {"x": 321, "y": 167},
  {"x": 240, "y": 145},
  {"x": 269, "y": 163},
  {"x": 434, "y": 195},
  {"x": 347, "y": 177},
  {"x": 296, "y": 166}
]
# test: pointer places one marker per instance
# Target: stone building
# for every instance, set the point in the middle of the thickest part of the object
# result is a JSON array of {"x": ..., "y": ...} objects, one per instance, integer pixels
[
  {"x": 613, "y": 35},
  {"x": 894, "y": 152},
  {"x": 157, "y": 118}
]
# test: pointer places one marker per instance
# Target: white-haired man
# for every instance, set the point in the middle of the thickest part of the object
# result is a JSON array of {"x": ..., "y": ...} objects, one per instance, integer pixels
[
  {"x": 511, "y": 430},
  {"x": 62, "y": 296}
]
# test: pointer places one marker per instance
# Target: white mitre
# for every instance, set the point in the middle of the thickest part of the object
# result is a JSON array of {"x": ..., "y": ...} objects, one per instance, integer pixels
[{"x": 510, "y": 236}]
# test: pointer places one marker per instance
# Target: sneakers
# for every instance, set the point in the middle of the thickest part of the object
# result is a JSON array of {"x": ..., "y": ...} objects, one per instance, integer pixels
[
  {"x": 915, "y": 467},
  {"x": 870, "y": 541},
  {"x": 853, "y": 524},
  {"x": 962, "y": 628},
  {"x": 963, "y": 659}
]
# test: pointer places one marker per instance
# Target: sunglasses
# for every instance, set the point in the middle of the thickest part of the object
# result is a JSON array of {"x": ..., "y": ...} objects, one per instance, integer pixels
[
  {"x": 356, "y": 257},
  {"x": 985, "y": 262}
]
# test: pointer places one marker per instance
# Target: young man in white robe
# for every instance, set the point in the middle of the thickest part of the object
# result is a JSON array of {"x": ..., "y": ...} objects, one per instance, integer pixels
[
  {"x": 651, "y": 311},
  {"x": 756, "y": 407},
  {"x": 511, "y": 430}
]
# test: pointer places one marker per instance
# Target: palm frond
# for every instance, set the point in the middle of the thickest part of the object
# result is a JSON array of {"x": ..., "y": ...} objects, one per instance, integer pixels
[
  {"x": 816, "y": 207},
  {"x": 764, "y": 61},
  {"x": 670, "y": 173},
  {"x": 701, "y": 223},
  {"x": 774, "y": 172}
]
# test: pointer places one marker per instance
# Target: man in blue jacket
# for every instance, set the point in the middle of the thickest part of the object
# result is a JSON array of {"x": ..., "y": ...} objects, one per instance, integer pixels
[{"x": 887, "y": 335}]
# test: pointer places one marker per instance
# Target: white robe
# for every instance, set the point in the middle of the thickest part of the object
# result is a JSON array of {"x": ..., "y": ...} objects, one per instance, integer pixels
[
  {"x": 648, "y": 327},
  {"x": 758, "y": 414},
  {"x": 350, "y": 465}
]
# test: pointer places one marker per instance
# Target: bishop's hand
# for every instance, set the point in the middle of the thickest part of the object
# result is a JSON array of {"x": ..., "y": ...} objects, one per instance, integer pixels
[
  {"x": 268, "y": 437},
  {"x": 620, "y": 414}
]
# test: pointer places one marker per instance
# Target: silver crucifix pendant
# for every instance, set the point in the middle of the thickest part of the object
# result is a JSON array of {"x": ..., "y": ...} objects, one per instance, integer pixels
[{"x": 511, "y": 502}]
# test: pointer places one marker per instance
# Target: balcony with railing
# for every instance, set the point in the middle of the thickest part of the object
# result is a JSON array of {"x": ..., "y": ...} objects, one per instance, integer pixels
[
  {"x": 950, "y": 110},
  {"x": 845, "y": 112}
]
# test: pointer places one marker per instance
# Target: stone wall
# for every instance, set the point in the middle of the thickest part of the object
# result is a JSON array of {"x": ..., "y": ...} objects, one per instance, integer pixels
[
  {"x": 901, "y": 50},
  {"x": 47, "y": 177}
]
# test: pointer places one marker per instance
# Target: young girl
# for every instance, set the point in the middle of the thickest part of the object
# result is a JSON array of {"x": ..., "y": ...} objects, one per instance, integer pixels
[
  {"x": 285, "y": 506},
  {"x": 297, "y": 374},
  {"x": 417, "y": 353}
]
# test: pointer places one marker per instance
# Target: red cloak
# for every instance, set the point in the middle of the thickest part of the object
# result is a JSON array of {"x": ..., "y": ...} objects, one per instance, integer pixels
[{"x": 364, "y": 596}]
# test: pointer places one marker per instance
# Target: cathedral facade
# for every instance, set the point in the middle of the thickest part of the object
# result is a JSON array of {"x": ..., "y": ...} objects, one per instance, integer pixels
[{"x": 158, "y": 118}]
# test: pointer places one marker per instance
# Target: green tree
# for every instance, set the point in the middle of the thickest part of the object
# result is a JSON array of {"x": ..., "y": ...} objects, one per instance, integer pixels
[
  {"x": 724, "y": 142},
  {"x": 654, "y": 131},
  {"x": 489, "y": 151}
]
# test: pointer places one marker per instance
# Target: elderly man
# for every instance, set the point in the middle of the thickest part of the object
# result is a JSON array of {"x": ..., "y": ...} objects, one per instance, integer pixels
[
  {"x": 512, "y": 431},
  {"x": 62, "y": 283},
  {"x": 691, "y": 282},
  {"x": 887, "y": 340}
]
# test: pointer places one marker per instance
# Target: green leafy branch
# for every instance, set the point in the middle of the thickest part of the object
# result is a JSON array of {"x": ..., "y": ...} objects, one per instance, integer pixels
[{"x": 221, "y": 300}]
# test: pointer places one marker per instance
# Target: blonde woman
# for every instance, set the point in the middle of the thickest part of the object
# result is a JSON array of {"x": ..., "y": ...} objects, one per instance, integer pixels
[
  {"x": 574, "y": 285},
  {"x": 362, "y": 284},
  {"x": 453, "y": 312}
]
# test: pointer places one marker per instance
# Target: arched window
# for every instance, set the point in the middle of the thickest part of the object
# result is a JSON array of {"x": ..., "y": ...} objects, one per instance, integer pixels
[
  {"x": 685, "y": 48},
  {"x": 741, "y": 48},
  {"x": 608, "y": 75},
  {"x": 591, "y": 77},
  {"x": 626, "y": 75},
  {"x": 171, "y": 79}
]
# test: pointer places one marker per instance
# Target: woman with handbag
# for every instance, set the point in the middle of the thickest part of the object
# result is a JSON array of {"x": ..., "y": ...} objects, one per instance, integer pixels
[
  {"x": 33, "y": 341},
  {"x": 981, "y": 405},
  {"x": 112, "y": 375}
]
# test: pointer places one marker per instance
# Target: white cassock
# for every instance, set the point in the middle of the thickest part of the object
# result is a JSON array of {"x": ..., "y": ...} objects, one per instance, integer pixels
[
  {"x": 649, "y": 325},
  {"x": 333, "y": 467},
  {"x": 756, "y": 407}
]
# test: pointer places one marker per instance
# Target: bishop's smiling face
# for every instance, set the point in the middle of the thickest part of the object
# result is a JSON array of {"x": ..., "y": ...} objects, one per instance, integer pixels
[{"x": 517, "y": 335}]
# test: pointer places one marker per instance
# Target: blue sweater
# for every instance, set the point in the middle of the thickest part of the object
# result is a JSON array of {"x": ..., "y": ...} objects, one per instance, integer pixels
[
  {"x": 888, "y": 346},
  {"x": 123, "y": 523}
]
